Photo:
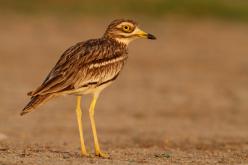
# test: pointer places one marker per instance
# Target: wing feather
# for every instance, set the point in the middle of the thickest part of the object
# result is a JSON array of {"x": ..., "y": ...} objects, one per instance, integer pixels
[
  {"x": 73, "y": 68},
  {"x": 63, "y": 72}
]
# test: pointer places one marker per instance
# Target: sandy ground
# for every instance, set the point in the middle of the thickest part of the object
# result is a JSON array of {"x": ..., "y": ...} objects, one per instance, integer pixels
[{"x": 180, "y": 100}]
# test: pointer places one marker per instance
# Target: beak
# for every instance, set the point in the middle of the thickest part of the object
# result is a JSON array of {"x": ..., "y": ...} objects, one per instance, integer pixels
[{"x": 143, "y": 34}]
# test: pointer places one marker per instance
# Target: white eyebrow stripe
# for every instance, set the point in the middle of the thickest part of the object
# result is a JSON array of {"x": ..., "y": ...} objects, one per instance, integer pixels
[{"x": 125, "y": 23}]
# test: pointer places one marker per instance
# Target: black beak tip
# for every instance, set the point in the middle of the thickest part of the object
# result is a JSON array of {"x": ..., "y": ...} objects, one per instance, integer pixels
[{"x": 151, "y": 37}]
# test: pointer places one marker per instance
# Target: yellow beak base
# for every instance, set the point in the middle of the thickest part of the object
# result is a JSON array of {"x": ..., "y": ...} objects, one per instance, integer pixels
[{"x": 146, "y": 35}]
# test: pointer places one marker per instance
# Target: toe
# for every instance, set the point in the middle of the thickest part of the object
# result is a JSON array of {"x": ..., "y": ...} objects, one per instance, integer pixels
[
  {"x": 85, "y": 154},
  {"x": 102, "y": 154}
]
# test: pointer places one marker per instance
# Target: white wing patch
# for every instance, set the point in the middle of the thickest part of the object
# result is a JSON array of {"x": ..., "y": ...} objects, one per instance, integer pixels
[{"x": 97, "y": 65}]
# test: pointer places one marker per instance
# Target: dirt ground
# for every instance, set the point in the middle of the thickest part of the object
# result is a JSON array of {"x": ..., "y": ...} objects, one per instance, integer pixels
[{"x": 182, "y": 99}]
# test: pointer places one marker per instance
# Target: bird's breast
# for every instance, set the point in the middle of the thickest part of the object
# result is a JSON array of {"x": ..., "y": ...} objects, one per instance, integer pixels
[{"x": 100, "y": 73}]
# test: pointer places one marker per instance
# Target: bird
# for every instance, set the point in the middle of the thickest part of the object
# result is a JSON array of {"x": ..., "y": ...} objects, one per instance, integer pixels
[{"x": 88, "y": 67}]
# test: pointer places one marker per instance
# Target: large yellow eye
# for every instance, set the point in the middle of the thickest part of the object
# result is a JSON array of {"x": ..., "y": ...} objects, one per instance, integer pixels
[{"x": 126, "y": 28}]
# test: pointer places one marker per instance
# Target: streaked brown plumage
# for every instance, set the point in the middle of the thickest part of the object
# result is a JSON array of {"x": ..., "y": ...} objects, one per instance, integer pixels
[
  {"x": 88, "y": 67},
  {"x": 85, "y": 65}
]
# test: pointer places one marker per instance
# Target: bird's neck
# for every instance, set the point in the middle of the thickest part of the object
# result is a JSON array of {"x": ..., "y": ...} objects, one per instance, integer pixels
[
  {"x": 122, "y": 41},
  {"x": 117, "y": 43}
]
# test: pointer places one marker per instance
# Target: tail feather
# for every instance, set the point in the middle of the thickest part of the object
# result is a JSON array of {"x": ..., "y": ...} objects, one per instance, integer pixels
[{"x": 35, "y": 102}]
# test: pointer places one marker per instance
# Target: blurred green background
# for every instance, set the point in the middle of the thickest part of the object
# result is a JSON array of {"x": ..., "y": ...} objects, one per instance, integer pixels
[{"x": 223, "y": 9}]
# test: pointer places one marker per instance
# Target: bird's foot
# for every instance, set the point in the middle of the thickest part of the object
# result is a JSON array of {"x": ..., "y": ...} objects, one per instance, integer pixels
[
  {"x": 85, "y": 154},
  {"x": 102, "y": 154}
]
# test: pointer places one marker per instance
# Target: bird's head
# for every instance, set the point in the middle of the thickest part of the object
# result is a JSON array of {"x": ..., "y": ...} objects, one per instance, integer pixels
[{"x": 125, "y": 31}]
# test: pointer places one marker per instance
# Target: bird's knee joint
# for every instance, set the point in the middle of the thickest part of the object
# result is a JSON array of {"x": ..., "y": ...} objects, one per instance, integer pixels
[
  {"x": 79, "y": 112},
  {"x": 91, "y": 113}
]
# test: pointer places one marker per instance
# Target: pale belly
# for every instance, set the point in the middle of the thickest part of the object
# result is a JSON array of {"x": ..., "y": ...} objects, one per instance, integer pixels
[{"x": 90, "y": 89}]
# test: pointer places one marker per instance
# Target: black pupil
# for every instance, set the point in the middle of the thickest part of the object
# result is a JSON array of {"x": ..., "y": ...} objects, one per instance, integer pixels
[{"x": 126, "y": 27}]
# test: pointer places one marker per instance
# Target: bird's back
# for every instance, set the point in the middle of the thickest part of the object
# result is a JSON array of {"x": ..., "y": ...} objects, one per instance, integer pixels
[{"x": 91, "y": 63}]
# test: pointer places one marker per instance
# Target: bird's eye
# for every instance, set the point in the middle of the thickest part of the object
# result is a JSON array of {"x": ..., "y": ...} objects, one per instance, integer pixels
[{"x": 126, "y": 28}]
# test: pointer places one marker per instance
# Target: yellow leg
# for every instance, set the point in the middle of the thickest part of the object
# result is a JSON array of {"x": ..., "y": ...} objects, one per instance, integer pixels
[
  {"x": 92, "y": 120},
  {"x": 80, "y": 126}
]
